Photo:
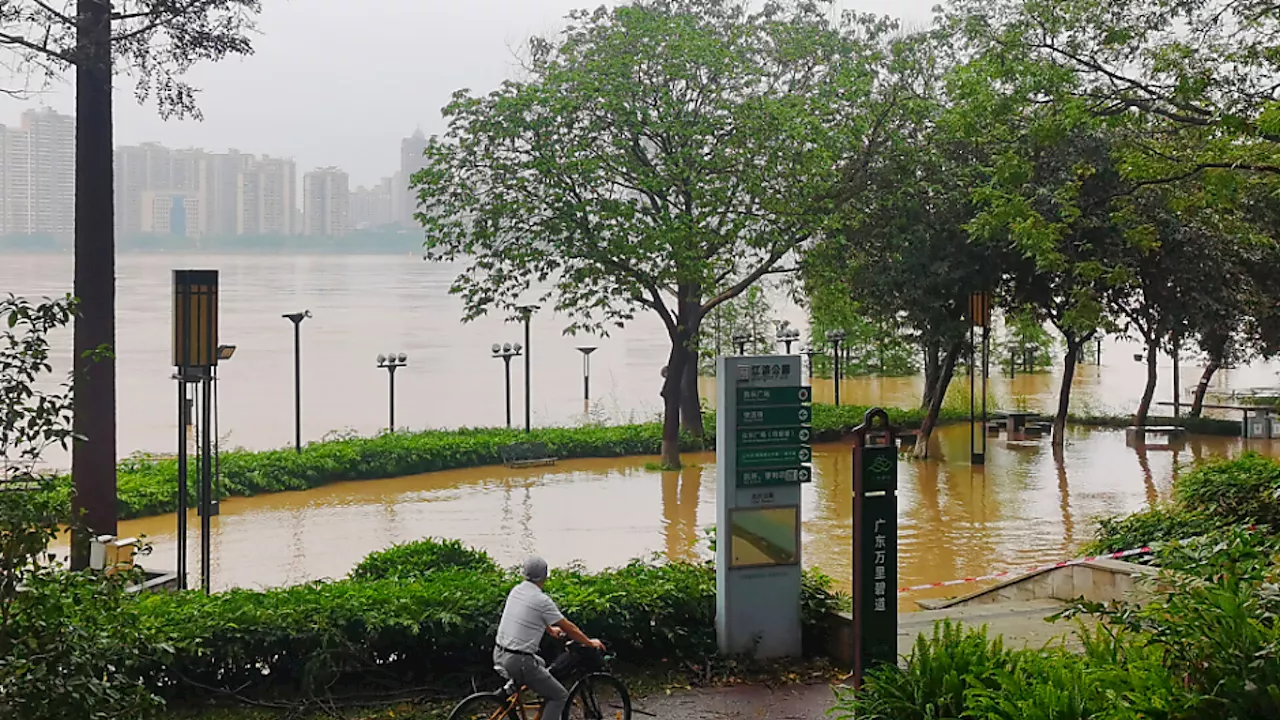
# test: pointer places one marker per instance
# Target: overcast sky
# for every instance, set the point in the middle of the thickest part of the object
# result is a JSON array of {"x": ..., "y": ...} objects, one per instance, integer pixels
[{"x": 340, "y": 82}]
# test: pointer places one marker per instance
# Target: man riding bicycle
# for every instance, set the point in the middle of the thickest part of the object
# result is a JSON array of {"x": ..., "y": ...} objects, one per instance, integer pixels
[{"x": 527, "y": 614}]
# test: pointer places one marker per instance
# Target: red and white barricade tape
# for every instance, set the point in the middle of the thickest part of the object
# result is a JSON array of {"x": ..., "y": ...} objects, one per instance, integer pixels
[{"x": 1008, "y": 573}]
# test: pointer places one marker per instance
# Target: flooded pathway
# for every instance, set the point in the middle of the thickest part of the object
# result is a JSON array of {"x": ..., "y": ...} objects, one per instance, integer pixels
[{"x": 1024, "y": 508}]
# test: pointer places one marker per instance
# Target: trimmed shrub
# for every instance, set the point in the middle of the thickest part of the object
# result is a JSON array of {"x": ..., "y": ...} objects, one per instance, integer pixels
[
  {"x": 329, "y": 636},
  {"x": 148, "y": 485},
  {"x": 418, "y": 559},
  {"x": 1212, "y": 496}
]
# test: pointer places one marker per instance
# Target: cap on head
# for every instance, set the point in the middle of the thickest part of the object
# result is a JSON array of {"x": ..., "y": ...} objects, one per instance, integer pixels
[{"x": 535, "y": 569}]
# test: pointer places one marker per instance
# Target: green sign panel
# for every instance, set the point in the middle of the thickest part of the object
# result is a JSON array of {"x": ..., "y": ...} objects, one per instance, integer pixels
[
  {"x": 771, "y": 416},
  {"x": 764, "y": 478},
  {"x": 755, "y": 397},
  {"x": 782, "y": 457},
  {"x": 774, "y": 436},
  {"x": 876, "y": 557}
]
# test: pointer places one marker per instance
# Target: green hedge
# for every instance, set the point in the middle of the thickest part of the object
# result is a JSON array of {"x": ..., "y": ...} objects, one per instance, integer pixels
[
  {"x": 323, "y": 637},
  {"x": 1213, "y": 496},
  {"x": 148, "y": 486}
]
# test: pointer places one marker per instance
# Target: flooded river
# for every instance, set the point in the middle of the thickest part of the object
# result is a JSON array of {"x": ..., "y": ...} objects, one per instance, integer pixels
[
  {"x": 366, "y": 305},
  {"x": 1023, "y": 509}
]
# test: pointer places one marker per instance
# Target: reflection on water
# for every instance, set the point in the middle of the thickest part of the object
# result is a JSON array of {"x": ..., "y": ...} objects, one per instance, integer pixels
[
  {"x": 364, "y": 305},
  {"x": 1026, "y": 507}
]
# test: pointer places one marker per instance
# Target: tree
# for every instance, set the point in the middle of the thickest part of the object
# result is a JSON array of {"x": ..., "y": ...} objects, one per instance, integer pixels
[
  {"x": 662, "y": 156},
  {"x": 1203, "y": 70},
  {"x": 903, "y": 254},
  {"x": 157, "y": 41}
]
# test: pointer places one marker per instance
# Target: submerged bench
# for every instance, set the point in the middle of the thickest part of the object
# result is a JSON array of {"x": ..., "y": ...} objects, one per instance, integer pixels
[{"x": 527, "y": 454}]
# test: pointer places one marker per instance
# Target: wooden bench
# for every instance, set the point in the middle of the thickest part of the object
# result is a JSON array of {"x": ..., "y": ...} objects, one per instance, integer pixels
[
  {"x": 527, "y": 454},
  {"x": 1173, "y": 434}
]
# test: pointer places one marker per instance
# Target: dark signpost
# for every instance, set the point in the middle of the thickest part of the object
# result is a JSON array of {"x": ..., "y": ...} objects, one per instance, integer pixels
[
  {"x": 875, "y": 544},
  {"x": 979, "y": 317}
]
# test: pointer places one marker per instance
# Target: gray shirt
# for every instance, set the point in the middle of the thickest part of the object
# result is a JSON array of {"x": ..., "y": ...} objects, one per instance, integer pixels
[{"x": 526, "y": 617}]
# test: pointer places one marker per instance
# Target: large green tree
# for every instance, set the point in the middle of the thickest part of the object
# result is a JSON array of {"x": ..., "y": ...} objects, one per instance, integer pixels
[
  {"x": 661, "y": 157},
  {"x": 156, "y": 42}
]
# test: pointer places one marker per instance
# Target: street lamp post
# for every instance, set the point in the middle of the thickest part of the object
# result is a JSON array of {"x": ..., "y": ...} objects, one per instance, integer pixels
[
  {"x": 296, "y": 319},
  {"x": 506, "y": 352},
  {"x": 392, "y": 362},
  {"x": 835, "y": 337},
  {"x": 809, "y": 352},
  {"x": 787, "y": 335},
  {"x": 741, "y": 340},
  {"x": 527, "y": 312},
  {"x": 224, "y": 353},
  {"x": 586, "y": 351}
]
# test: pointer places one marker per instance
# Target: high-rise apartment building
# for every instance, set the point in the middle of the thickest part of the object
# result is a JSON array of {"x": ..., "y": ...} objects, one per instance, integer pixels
[
  {"x": 266, "y": 198},
  {"x": 325, "y": 202},
  {"x": 139, "y": 169},
  {"x": 371, "y": 207},
  {"x": 37, "y": 175},
  {"x": 220, "y": 189},
  {"x": 411, "y": 161}
]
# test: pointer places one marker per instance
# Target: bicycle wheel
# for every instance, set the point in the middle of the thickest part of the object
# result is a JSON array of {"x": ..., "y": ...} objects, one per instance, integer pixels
[
  {"x": 599, "y": 696},
  {"x": 481, "y": 706}
]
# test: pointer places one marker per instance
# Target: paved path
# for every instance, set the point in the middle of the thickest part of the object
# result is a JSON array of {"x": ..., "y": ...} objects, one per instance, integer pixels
[{"x": 1021, "y": 624}]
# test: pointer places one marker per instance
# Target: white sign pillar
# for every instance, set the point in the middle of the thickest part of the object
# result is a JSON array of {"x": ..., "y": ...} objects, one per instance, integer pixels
[{"x": 763, "y": 434}]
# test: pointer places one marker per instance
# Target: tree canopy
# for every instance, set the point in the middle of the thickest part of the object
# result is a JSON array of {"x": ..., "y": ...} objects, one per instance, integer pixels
[{"x": 657, "y": 157}]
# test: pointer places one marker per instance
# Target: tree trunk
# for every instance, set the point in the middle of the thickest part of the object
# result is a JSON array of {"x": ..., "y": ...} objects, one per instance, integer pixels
[
  {"x": 690, "y": 401},
  {"x": 1144, "y": 407},
  {"x": 93, "y": 459},
  {"x": 1202, "y": 388},
  {"x": 1064, "y": 393},
  {"x": 932, "y": 367},
  {"x": 947, "y": 369},
  {"x": 672, "y": 395}
]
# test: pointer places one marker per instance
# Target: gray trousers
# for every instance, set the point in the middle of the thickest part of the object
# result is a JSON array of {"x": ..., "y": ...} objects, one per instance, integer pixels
[{"x": 531, "y": 670}]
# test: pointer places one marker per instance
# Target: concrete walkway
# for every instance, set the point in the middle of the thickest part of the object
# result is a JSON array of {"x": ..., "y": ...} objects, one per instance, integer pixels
[{"x": 1021, "y": 624}]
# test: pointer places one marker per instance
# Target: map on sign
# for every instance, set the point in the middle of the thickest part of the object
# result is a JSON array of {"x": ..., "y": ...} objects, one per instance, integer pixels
[{"x": 768, "y": 536}]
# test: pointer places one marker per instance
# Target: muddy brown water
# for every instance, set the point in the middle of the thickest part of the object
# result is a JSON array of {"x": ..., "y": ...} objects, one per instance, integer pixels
[
  {"x": 366, "y": 305},
  {"x": 1023, "y": 509}
]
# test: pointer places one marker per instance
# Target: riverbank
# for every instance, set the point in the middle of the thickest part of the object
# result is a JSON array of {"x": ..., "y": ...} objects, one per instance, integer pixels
[{"x": 147, "y": 485}]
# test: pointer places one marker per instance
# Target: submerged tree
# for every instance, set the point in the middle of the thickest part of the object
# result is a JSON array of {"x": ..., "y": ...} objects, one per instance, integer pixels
[
  {"x": 662, "y": 156},
  {"x": 156, "y": 41}
]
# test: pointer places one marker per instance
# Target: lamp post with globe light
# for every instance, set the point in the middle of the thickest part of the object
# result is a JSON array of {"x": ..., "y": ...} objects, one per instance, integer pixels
[
  {"x": 787, "y": 335},
  {"x": 392, "y": 362},
  {"x": 506, "y": 352}
]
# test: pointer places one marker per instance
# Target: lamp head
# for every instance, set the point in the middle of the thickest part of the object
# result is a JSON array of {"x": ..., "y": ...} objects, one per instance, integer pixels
[
  {"x": 226, "y": 351},
  {"x": 506, "y": 348},
  {"x": 297, "y": 317},
  {"x": 517, "y": 348},
  {"x": 497, "y": 349},
  {"x": 403, "y": 358},
  {"x": 382, "y": 359}
]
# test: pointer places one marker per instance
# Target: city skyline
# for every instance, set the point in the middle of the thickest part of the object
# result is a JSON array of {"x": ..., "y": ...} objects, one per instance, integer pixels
[{"x": 191, "y": 191}]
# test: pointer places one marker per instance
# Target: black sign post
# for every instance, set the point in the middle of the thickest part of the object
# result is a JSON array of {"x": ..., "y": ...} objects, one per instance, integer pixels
[{"x": 875, "y": 544}]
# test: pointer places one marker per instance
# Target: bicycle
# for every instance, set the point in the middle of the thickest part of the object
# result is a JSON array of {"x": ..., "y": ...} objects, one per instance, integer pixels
[{"x": 595, "y": 694}]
